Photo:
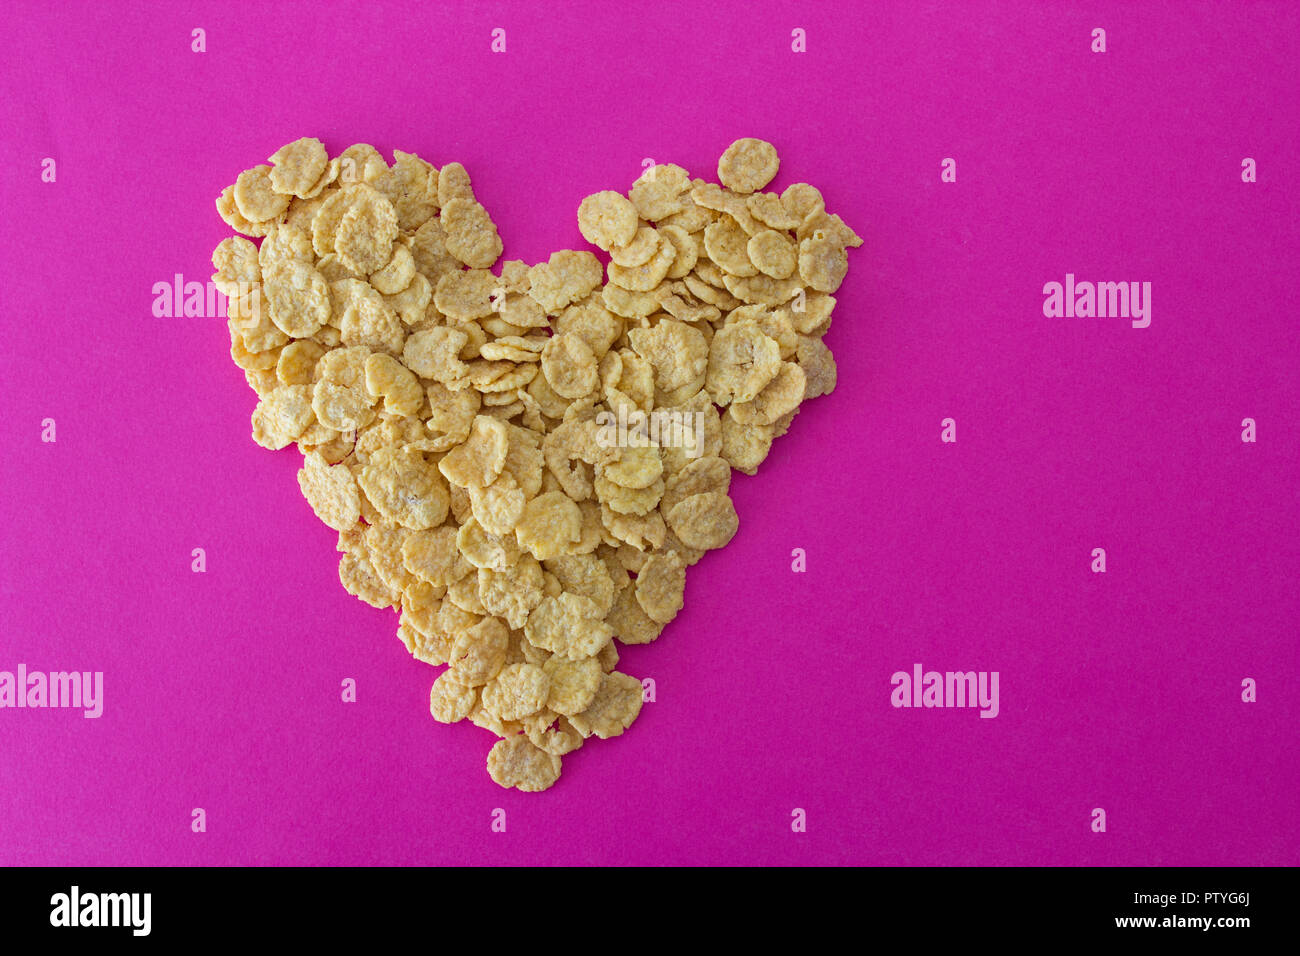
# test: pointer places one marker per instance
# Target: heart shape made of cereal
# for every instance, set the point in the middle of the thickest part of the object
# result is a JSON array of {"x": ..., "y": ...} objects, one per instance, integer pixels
[{"x": 525, "y": 462}]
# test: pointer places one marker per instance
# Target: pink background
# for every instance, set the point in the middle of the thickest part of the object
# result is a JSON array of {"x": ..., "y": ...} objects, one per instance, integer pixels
[{"x": 1119, "y": 691}]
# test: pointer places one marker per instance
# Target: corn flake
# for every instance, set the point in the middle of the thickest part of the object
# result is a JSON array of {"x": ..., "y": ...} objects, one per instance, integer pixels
[
  {"x": 568, "y": 625},
  {"x": 518, "y": 691},
  {"x": 469, "y": 232},
  {"x": 615, "y": 706},
  {"x": 607, "y": 220},
  {"x": 517, "y": 762}
]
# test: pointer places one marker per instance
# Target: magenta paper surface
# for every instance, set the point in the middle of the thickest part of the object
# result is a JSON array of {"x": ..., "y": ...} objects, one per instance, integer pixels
[{"x": 1120, "y": 691}]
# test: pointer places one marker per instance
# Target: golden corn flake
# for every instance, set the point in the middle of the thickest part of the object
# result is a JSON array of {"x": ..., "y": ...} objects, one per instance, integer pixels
[
  {"x": 464, "y": 595},
  {"x": 282, "y": 415},
  {"x": 659, "y": 192},
  {"x": 405, "y": 488},
  {"x": 297, "y": 296},
  {"x": 772, "y": 254},
  {"x": 429, "y": 250},
  {"x": 412, "y": 187},
  {"x": 629, "y": 620},
  {"x": 762, "y": 289},
  {"x": 628, "y": 304},
  {"x": 430, "y": 647},
  {"x": 639, "y": 531},
  {"x": 607, "y": 219},
  {"x": 648, "y": 276},
  {"x": 564, "y": 278},
  {"x": 514, "y": 276},
  {"x": 524, "y": 459},
  {"x": 705, "y": 521},
  {"x": 569, "y": 625},
  {"x": 638, "y": 250},
  {"x": 298, "y": 167},
  {"x": 483, "y": 549},
  {"x": 365, "y": 234},
  {"x": 301, "y": 212},
  {"x": 803, "y": 201},
  {"x": 479, "y": 652},
  {"x": 254, "y": 197},
  {"x": 331, "y": 492},
  {"x": 821, "y": 225},
  {"x": 451, "y": 700},
  {"x": 615, "y": 706},
  {"x": 263, "y": 381},
  {"x": 629, "y": 501},
  {"x": 398, "y": 273},
  {"x": 498, "y": 506},
  {"x": 514, "y": 348},
  {"x": 367, "y": 320},
  {"x": 521, "y": 310},
  {"x": 518, "y": 691},
  {"x": 358, "y": 577},
  {"x": 342, "y": 408},
  {"x": 283, "y": 243},
  {"x": 811, "y": 314},
  {"x": 435, "y": 354},
  {"x": 573, "y": 684},
  {"x": 480, "y": 716},
  {"x": 779, "y": 397},
  {"x": 677, "y": 351},
  {"x": 392, "y": 381},
  {"x": 517, "y": 762},
  {"x": 635, "y": 467},
  {"x": 465, "y": 295},
  {"x": 431, "y": 555},
  {"x": 552, "y": 733},
  {"x": 384, "y": 547},
  {"x": 237, "y": 264},
  {"x": 569, "y": 365},
  {"x": 696, "y": 478},
  {"x": 233, "y": 218},
  {"x": 687, "y": 250},
  {"x": 512, "y": 594},
  {"x": 748, "y": 165},
  {"x": 727, "y": 245},
  {"x": 775, "y": 324},
  {"x": 343, "y": 367},
  {"x": 818, "y": 366},
  {"x": 768, "y": 209},
  {"x": 720, "y": 200},
  {"x": 745, "y": 447},
  {"x": 550, "y": 525},
  {"x": 470, "y": 234},
  {"x": 454, "y": 183},
  {"x": 297, "y": 362},
  {"x": 585, "y": 575},
  {"x": 742, "y": 360},
  {"x": 661, "y": 586},
  {"x": 253, "y": 361},
  {"x": 608, "y": 658},
  {"x": 480, "y": 459},
  {"x": 822, "y": 264}
]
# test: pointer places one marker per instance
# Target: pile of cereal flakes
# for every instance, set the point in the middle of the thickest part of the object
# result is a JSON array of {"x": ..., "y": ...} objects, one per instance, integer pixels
[{"x": 483, "y": 443}]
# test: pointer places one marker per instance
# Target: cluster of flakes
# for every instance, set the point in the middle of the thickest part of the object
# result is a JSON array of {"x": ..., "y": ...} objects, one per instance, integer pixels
[{"x": 447, "y": 415}]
